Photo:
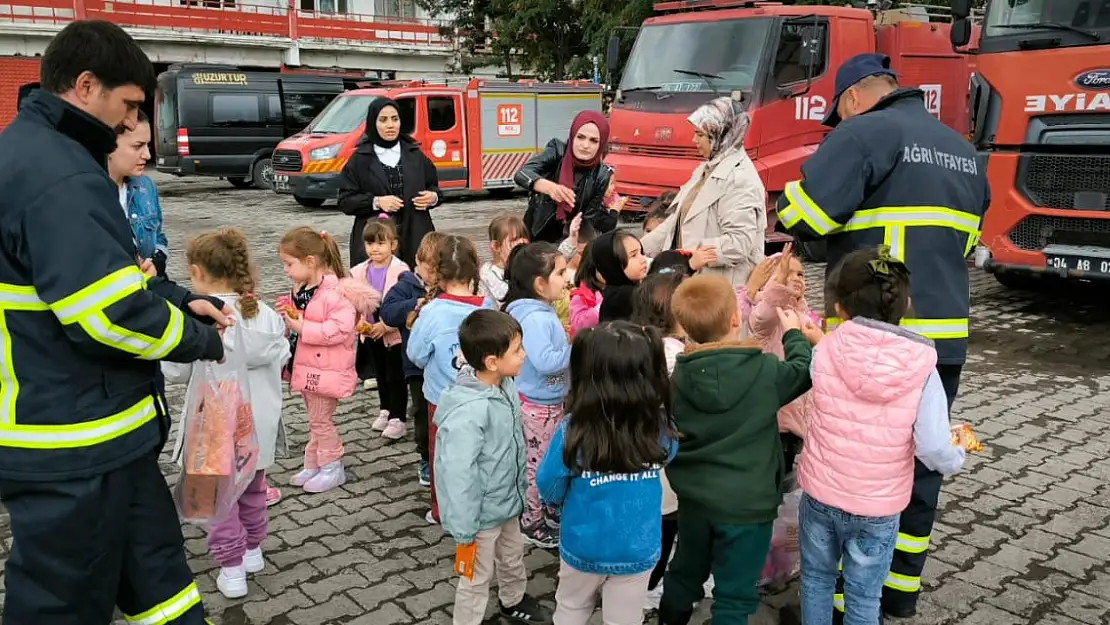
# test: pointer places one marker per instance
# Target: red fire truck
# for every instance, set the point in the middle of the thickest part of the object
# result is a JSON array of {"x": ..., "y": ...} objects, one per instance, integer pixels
[
  {"x": 1040, "y": 102},
  {"x": 781, "y": 60},
  {"x": 477, "y": 132}
]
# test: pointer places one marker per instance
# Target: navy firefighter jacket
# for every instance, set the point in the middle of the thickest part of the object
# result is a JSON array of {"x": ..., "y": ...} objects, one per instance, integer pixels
[{"x": 897, "y": 175}]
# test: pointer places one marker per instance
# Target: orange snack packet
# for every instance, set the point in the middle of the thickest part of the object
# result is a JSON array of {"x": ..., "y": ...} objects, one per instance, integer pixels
[
  {"x": 363, "y": 328},
  {"x": 464, "y": 560},
  {"x": 962, "y": 436}
]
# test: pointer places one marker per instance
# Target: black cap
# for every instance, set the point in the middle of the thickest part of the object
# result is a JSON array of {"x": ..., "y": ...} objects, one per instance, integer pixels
[{"x": 852, "y": 71}]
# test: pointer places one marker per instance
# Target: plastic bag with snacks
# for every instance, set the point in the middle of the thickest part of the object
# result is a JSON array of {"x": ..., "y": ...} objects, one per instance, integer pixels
[
  {"x": 220, "y": 447},
  {"x": 784, "y": 561}
]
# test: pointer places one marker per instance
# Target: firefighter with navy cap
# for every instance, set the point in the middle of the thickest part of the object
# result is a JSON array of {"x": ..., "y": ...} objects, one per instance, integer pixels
[{"x": 891, "y": 173}]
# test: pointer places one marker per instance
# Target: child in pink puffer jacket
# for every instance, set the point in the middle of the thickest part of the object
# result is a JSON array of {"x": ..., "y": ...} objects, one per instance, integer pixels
[{"x": 778, "y": 282}]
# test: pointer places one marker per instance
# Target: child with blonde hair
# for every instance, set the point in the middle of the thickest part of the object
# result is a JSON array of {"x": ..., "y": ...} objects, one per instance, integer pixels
[
  {"x": 321, "y": 315},
  {"x": 506, "y": 231},
  {"x": 220, "y": 266}
]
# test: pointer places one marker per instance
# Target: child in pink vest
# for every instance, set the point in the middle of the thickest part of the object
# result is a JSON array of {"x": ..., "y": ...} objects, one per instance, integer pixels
[{"x": 878, "y": 403}]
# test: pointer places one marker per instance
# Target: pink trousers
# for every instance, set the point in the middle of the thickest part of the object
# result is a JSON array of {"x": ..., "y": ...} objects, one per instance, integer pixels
[
  {"x": 540, "y": 422},
  {"x": 324, "y": 446}
]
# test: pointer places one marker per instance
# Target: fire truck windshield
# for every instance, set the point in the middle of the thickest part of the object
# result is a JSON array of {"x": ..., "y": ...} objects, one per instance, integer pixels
[
  {"x": 1029, "y": 24},
  {"x": 342, "y": 115},
  {"x": 725, "y": 51}
]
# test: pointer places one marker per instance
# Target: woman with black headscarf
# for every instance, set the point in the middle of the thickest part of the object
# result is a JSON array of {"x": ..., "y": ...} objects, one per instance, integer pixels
[{"x": 388, "y": 177}]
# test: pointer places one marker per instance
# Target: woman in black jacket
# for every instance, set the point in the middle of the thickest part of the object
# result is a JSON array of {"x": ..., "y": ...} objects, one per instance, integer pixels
[
  {"x": 389, "y": 177},
  {"x": 565, "y": 184}
]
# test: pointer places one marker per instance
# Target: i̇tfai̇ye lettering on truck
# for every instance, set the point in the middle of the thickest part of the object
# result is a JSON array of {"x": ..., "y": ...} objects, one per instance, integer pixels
[
  {"x": 477, "y": 132},
  {"x": 1040, "y": 111},
  {"x": 779, "y": 59}
]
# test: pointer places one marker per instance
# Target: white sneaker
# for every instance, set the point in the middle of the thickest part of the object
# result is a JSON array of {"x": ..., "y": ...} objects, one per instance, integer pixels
[
  {"x": 396, "y": 430},
  {"x": 651, "y": 600},
  {"x": 232, "y": 582},
  {"x": 382, "y": 422},
  {"x": 370, "y": 384},
  {"x": 330, "y": 476},
  {"x": 303, "y": 476},
  {"x": 253, "y": 561}
]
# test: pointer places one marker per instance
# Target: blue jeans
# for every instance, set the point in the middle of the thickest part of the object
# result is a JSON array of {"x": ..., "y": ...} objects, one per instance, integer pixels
[{"x": 864, "y": 546}]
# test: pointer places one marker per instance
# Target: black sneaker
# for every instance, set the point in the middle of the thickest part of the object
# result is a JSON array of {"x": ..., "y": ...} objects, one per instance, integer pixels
[
  {"x": 541, "y": 535},
  {"x": 900, "y": 612},
  {"x": 528, "y": 611}
]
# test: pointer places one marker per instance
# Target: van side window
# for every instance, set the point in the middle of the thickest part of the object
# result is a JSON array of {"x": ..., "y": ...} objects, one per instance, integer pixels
[
  {"x": 788, "y": 67},
  {"x": 235, "y": 109},
  {"x": 273, "y": 109},
  {"x": 407, "y": 113},
  {"x": 441, "y": 113}
]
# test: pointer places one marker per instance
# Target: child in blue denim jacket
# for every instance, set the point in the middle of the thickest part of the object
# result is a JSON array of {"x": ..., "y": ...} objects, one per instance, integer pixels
[
  {"x": 602, "y": 471},
  {"x": 434, "y": 341}
]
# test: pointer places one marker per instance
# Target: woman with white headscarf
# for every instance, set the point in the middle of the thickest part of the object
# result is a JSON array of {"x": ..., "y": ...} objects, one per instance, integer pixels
[{"x": 720, "y": 214}]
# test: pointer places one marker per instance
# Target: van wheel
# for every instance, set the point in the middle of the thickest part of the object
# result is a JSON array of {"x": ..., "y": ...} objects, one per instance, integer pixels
[
  {"x": 813, "y": 251},
  {"x": 310, "y": 202},
  {"x": 262, "y": 174},
  {"x": 241, "y": 183}
]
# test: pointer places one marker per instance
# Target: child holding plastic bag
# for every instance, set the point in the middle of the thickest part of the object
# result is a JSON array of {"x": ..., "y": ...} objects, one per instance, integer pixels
[{"x": 220, "y": 266}]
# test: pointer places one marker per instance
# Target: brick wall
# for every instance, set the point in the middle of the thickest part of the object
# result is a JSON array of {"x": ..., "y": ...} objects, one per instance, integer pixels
[{"x": 15, "y": 71}]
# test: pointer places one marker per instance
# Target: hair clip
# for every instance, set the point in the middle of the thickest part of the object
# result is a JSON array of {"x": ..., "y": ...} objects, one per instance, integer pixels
[
  {"x": 883, "y": 265},
  {"x": 323, "y": 234}
]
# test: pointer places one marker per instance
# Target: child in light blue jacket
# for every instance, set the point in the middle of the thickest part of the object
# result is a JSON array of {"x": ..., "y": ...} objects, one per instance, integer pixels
[
  {"x": 536, "y": 277},
  {"x": 479, "y": 471},
  {"x": 434, "y": 341}
]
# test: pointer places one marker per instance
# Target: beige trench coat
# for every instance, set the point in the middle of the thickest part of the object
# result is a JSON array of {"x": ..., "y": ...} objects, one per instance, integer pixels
[{"x": 730, "y": 212}]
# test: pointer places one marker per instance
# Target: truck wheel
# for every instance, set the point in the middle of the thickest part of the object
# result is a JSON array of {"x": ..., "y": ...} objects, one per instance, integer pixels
[
  {"x": 813, "y": 251},
  {"x": 309, "y": 202},
  {"x": 262, "y": 174},
  {"x": 241, "y": 183}
]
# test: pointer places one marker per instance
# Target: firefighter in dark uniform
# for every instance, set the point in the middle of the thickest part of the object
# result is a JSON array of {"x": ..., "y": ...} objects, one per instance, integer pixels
[
  {"x": 890, "y": 172},
  {"x": 82, "y": 329}
]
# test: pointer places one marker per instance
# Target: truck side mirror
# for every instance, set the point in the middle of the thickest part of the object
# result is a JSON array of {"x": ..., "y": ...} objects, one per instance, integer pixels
[
  {"x": 960, "y": 34},
  {"x": 613, "y": 54},
  {"x": 961, "y": 9}
]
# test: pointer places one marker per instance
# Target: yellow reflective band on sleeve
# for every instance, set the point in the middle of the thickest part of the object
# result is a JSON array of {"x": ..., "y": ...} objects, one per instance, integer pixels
[
  {"x": 86, "y": 308},
  {"x": 808, "y": 210},
  {"x": 85, "y": 434},
  {"x": 99, "y": 295},
  {"x": 903, "y": 583},
  {"x": 972, "y": 241},
  {"x": 170, "y": 610},
  {"x": 838, "y": 602},
  {"x": 911, "y": 544},
  {"x": 936, "y": 329},
  {"x": 789, "y": 216}
]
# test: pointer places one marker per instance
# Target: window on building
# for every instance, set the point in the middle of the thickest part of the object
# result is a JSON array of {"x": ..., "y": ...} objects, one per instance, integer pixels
[
  {"x": 404, "y": 9},
  {"x": 324, "y": 6},
  {"x": 792, "y": 43},
  {"x": 235, "y": 109},
  {"x": 441, "y": 113}
]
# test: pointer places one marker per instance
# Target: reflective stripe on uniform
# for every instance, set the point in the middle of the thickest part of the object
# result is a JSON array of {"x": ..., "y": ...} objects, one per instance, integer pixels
[
  {"x": 903, "y": 583},
  {"x": 911, "y": 544},
  {"x": 838, "y": 601},
  {"x": 802, "y": 207},
  {"x": 936, "y": 329},
  {"x": 88, "y": 433},
  {"x": 170, "y": 610},
  {"x": 913, "y": 216},
  {"x": 895, "y": 237}
]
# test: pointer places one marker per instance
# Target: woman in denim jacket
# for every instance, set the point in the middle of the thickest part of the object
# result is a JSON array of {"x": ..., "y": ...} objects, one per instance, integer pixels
[
  {"x": 138, "y": 196},
  {"x": 602, "y": 471}
]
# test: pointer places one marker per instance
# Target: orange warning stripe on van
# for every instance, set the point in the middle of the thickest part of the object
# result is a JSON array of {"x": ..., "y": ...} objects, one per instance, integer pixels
[{"x": 320, "y": 167}]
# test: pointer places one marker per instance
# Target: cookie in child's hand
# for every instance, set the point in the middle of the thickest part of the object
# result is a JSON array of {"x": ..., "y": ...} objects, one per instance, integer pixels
[{"x": 962, "y": 436}]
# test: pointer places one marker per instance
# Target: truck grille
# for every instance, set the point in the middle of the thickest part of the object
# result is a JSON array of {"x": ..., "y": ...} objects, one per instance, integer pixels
[
  {"x": 1066, "y": 181},
  {"x": 1035, "y": 232},
  {"x": 662, "y": 151},
  {"x": 287, "y": 160}
]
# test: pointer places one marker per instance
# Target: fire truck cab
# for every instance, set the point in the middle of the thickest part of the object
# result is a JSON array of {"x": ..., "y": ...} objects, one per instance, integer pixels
[
  {"x": 1040, "y": 111},
  {"x": 477, "y": 132},
  {"x": 780, "y": 60}
]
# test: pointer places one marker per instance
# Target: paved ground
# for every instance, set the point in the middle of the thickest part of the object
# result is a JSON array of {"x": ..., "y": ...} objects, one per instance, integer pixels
[{"x": 1023, "y": 537}]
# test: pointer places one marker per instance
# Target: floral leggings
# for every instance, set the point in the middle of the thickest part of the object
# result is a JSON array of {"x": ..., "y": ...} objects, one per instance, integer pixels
[{"x": 540, "y": 422}]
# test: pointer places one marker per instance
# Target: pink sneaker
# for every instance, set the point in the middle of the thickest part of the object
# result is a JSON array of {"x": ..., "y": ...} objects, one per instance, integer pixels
[
  {"x": 273, "y": 495},
  {"x": 382, "y": 422},
  {"x": 330, "y": 476},
  {"x": 396, "y": 430},
  {"x": 303, "y": 476}
]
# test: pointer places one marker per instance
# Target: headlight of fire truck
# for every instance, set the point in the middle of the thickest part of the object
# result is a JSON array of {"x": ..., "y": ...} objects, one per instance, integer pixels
[{"x": 324, "y": 153}]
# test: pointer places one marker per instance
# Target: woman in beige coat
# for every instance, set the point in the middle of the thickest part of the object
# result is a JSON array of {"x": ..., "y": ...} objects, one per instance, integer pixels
[{"x": 722, "y": 208}]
